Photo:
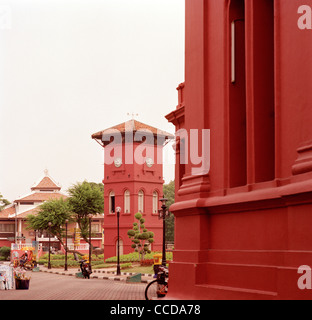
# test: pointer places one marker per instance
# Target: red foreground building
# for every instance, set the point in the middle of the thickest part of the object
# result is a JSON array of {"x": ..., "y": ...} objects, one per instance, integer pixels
[{"x": 244, "y": 229}]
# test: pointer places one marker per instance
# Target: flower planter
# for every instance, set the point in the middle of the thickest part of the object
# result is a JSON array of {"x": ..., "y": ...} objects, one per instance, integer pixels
[{"x": 21, "y": 284}]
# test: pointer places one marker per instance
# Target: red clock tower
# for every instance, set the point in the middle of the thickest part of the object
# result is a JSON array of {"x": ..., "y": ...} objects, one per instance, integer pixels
[{"x": 133, "y": 181}]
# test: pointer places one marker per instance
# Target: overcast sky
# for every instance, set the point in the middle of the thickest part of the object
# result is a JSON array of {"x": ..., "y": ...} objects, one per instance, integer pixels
[{"x": 70, "y": 68}]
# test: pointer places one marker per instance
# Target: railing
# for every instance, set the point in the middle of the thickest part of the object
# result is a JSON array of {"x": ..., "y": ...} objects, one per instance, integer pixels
[
  {"x": 71, "y": 246},
  {"x": 52, "y": 239},
  {"x": 81, "y": 247},
  {"x": 20, "y": 246}
]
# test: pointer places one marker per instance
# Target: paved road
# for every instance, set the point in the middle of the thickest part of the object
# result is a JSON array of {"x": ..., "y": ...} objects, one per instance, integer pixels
[{"x": 47, "y": 286}]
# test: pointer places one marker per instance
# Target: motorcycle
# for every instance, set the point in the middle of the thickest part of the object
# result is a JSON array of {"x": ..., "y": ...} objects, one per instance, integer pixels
[{"x": 85, "y": 269}]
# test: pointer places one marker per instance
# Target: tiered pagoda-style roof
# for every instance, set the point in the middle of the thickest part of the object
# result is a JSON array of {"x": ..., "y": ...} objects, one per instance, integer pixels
[
  {"x": 44, "y": 190},
  {"x": 47, "y": 183}
]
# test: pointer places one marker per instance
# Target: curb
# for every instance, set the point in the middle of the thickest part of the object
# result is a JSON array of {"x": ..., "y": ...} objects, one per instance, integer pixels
[
  {"x": 125, "y": 273},
  {"x": 113, "y": 278}
]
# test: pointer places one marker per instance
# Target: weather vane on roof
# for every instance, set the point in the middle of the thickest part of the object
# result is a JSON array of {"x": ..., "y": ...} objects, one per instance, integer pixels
[
  {"x": 46, "y": 172},
  {"x": 133, "y": 115}
]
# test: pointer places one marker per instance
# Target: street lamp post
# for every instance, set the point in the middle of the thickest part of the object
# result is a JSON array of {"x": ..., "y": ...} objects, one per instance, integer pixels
[
  {"x": 90, "y": 245},
  {"x": 163, "y": 213},
  {"x": 49, "y": 263},
  {"x": 118, "y": 209},
  {"x": 66, "y": 221}
]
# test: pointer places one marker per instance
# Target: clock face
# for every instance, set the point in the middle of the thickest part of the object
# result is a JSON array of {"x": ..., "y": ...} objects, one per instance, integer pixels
[
  {"x": 118, "y": 162},
  {"x": 149, "y": 162}
]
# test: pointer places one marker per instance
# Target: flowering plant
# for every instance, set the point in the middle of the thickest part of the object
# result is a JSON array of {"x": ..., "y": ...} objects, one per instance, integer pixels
[{"x": 20, "y": 274}]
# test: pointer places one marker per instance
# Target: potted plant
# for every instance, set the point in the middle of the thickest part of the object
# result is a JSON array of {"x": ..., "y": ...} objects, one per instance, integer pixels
[{"x": 21, "y": 279}]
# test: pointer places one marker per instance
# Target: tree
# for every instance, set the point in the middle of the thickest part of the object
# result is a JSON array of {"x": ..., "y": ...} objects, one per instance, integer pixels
[
  {"x": 141, "y": 237},
  {"x": 55, "y": 211},
  {"x": 85, "y": 198},
  {"x": 3, "y": 202},
  {"x": 97, "y": 185},
  {"x": 169, "y": 190}
]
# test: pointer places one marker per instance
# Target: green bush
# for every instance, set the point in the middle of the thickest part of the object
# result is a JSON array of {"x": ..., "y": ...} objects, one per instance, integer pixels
[
  {"x": 70, "y": 263},
  {"x": 70, "y": 256},
  {"x": 105, "y": 265},
  {"x": 102, "y": 266},
  {"x": 5, "y": 252},
  {"x": 125, "y": 266},
  {"x": 134, "y": 257},
  {"x": 60, "y": 263}
]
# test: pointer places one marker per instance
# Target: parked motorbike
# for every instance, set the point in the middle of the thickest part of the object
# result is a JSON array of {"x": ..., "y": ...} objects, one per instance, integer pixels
[{"x": 85, "y": 269}]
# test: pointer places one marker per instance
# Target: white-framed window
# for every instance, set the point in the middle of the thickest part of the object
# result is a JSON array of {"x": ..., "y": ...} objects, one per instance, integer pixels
[
  {"x": 95, "y": 228},
  {"x": 127, "y": 201},
  {"x": 112, "y": 202},
  {"x": 141, "y": 201},
  {"x": 155, "y": 202}
]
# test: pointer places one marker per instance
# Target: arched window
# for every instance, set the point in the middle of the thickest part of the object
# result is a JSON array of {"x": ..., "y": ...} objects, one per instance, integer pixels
[
  {"x": 155, "y": 202},
  {"x": 112, "y": 202},
  {"x": 141, "y": 201},
  {"x": 127, "y": 201}
]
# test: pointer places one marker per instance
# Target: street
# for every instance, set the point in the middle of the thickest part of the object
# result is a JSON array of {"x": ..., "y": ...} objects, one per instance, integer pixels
[{"x": 48, "y": 286}]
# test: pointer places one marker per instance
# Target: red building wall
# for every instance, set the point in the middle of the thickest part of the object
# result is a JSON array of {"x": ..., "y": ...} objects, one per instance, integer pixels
[
  {"x": 243, "y": 230},
  {"x": 133, "y": 177}
]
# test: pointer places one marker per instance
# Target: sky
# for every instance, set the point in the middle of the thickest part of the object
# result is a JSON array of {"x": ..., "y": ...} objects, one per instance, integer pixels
[{"x": 70, "y": 68}]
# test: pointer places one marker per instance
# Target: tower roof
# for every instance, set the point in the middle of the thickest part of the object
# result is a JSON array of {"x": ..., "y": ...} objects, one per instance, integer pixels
[{"x": 132, "y": 126}]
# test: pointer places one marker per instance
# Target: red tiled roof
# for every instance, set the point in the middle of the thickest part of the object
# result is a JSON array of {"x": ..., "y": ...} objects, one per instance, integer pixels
[
  {"x": 7, "y": 211},
  {"x": 42, "y": 196},
  {"x": 46, "y": 183},
  {"x": 131, "y": 126}
]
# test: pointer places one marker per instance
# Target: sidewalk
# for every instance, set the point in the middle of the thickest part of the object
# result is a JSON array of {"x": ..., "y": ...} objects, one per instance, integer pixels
[{"x": 104, "y": 274}]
